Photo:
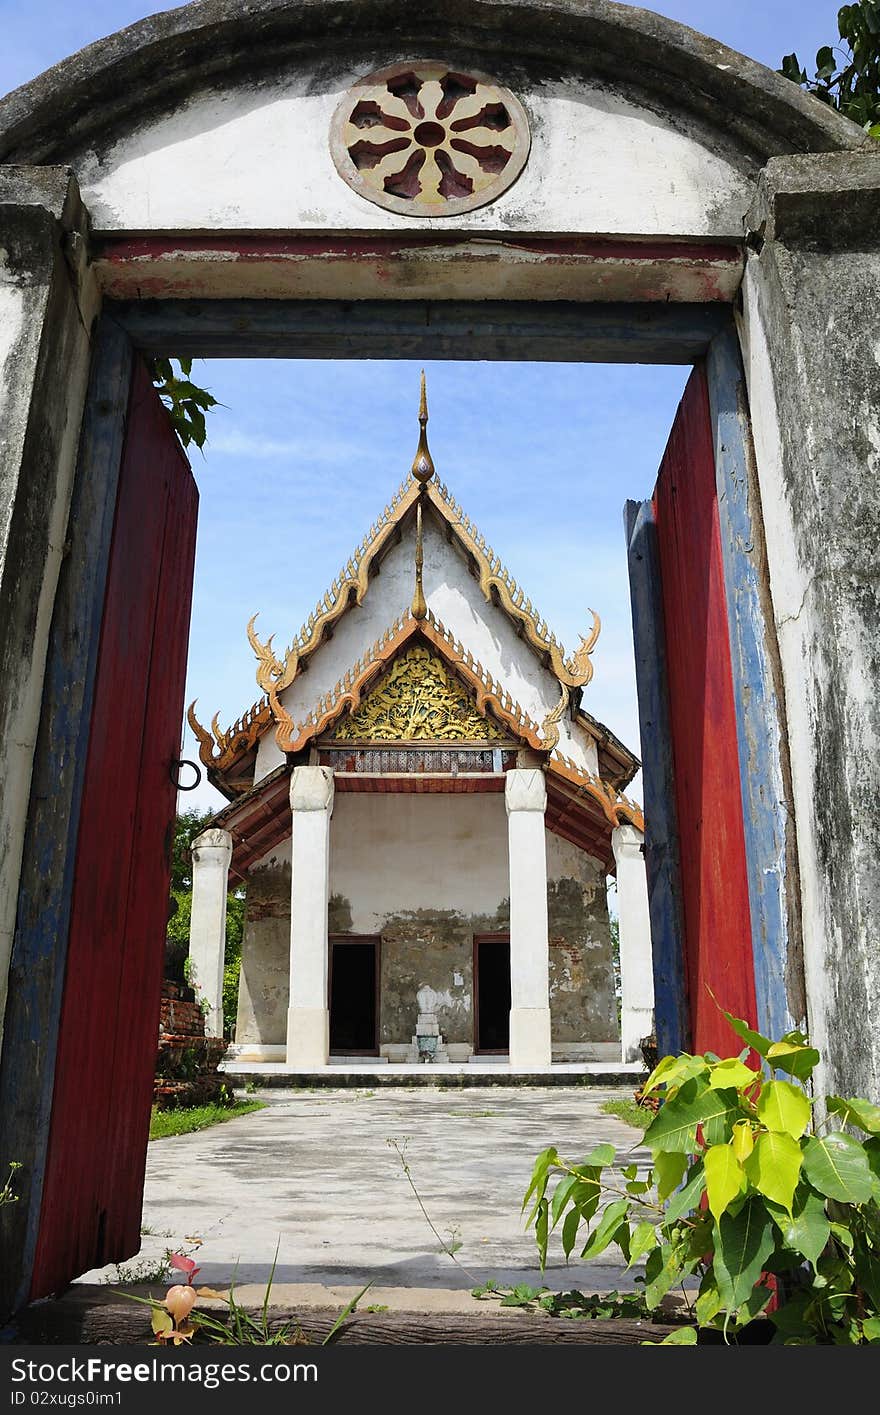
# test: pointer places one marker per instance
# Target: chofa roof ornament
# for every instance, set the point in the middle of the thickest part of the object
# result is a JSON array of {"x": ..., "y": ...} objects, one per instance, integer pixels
[{"x": 422, "y": 139}]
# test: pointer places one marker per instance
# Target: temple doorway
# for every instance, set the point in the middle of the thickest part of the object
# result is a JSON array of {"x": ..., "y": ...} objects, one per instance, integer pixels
[
  {"x": 492, "y": 994},
  {"x": 354, "y": 985}
]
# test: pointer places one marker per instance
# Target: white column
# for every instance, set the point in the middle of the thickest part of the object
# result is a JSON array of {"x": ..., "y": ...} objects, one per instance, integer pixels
[
  {"x": 636, "y": 963},
  {"x": 308, "y": 1018},
  {"x": 211, "y": 853},
  {"x": 525, "y": 795}
]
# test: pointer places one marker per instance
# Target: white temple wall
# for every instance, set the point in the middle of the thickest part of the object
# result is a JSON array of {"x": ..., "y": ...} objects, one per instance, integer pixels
[
  {"x": 258, "y": 158},
  {"x": 427, "y": 873}
]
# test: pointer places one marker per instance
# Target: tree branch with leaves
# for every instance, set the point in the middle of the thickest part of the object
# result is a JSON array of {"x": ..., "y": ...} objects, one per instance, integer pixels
[{"x": 847, "y": 75}]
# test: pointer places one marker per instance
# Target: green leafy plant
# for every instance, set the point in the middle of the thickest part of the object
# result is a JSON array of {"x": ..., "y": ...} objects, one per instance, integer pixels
[
  {"x": 186, "y": 401},
  {"x": 847, "y": 79},
  {"x": 748, "y": 1206}
]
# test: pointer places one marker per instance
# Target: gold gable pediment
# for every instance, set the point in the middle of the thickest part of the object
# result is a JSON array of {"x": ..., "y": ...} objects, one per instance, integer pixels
[{"x": 419, "y": 699}]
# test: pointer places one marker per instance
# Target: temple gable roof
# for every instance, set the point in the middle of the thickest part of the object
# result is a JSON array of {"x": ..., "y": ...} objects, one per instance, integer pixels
[{"x": 299, "y": 717}]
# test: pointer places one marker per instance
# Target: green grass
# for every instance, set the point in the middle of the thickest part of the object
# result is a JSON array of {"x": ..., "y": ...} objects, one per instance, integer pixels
[
  {"x": 635, "y": 1115},
  {"x": 198, "y": 1117}
]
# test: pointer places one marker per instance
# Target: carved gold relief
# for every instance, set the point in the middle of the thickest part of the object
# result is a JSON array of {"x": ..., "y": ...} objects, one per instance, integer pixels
[{"x": 419, "y": 699}]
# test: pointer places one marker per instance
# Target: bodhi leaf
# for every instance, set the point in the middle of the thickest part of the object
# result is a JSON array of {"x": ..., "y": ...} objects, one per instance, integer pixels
[
  {"x": 743, "y": 1242},
  {"x": 731, "y": 1072},
  {"x": 662, "y": 1271},
  {"x": 838, "y": 1167},
  {"x": 672, "y": 1071},
  {"x": 742, "y": 1140},
  {"x": 717, "y": 1129},
  {"x": 854, "y": 1111},
  {"x": 793, "y": 1056},
  {"x": 675, "y": 1125},
  {"x": 561, "y": 1195},
  {"x": 708, "y": 1304},
  {"x": 538, "y": 1182},
  {"x": 784, "y": 1107},
  {"x": 871, "y": 1329},
  {"x": 669, "y": 1171},
  {"x": 541, "y": 1230},
  {"x": 569, "y": 1232},
  {"x": 724, "y": 1178},
  {"x": 754, "y": 1039},
  {"x": 806, "y": 1229},
  {"x": 605, "y": 1229},
  {"x": 598, "y": 1158},
  {"x": 644, "y": 1238},
  {"x": 774, "y": 1167},
  {"x": 687, "y": 1198}
]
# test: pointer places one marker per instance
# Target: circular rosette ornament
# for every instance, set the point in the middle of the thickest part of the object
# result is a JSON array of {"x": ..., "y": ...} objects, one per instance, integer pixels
[{"x": 422, "y": 139}]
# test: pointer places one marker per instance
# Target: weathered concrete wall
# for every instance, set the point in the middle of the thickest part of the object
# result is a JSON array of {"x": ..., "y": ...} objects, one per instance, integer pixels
[
  {"x": 583, "y": 1007},
  {"x": 811, "y": 338},
  {"x": 47, "y": 305},
  {"x": 426, "y": 873},
  {"x": 454, "y": 596},
  {"x": 264, "y": 988},
  {"x": 239, "y": 101}
]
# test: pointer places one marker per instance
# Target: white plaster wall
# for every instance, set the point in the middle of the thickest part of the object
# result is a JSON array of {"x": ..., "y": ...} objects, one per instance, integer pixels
[
  {"x": 455, "y": 597},
  {"x": 395, "y": 853},
  {"x": 392, "y": 853},
  {"x": 258, "y": 158},
  {"x": 359, "y": 819}
]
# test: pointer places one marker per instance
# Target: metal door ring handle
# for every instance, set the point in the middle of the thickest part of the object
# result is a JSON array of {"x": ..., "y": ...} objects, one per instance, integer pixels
[{"x": 174, "y": 772}]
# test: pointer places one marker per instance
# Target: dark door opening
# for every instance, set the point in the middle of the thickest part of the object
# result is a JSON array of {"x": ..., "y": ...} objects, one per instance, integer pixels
[
  {"x": 492, "y": 993},
  {"x": 354, "y": 988}
]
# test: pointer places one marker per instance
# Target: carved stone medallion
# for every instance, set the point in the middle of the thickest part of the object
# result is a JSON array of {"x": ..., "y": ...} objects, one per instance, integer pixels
[
  {"x": 422, "y": 139},
  {"x": 418, "y": 700}
]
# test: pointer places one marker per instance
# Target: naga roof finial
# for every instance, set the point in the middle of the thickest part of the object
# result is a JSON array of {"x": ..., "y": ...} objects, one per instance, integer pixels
[{"x": 423, "y": 466}]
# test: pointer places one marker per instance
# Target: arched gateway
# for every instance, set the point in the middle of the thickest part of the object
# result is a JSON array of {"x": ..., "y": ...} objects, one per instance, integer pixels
[{"x": 463, "y": 179}]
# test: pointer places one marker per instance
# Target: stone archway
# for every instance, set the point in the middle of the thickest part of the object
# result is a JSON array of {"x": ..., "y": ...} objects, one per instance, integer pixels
[{"x": 202, "y": 177}]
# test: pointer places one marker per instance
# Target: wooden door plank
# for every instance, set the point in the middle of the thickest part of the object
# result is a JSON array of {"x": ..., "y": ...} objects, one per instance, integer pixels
[
  {"x": 137, "y": 1010},
  {"x": 662, "y": 860},
  {"x": 703, "y": 726},
  {"x": 765, "y": 772},
  {"x": 78, "y": 1199},
  {"x": 43, "y": 913}
]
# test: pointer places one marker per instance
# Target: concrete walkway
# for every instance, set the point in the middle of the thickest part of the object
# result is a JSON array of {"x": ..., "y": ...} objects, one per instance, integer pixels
[{"x": 314, "y": 1174}]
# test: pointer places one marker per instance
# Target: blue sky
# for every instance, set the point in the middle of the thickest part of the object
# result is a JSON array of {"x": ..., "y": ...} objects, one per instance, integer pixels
[{"x": 303, "y": 456}]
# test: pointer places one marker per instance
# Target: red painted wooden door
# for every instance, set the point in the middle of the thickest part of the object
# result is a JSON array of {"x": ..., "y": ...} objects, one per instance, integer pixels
[
  {"x": 717, "y": 944},
  {"x": 92, "y": 1195}
]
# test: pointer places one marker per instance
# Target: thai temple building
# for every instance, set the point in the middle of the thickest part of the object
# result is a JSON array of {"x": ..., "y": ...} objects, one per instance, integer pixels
[{"x": 425, "y": 817}]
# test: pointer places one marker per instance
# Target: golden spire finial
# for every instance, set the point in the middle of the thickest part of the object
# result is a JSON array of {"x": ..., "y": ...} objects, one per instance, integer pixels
[
  {"x": 419, "y": 608},
  {"x": 423, "y": 466}
]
